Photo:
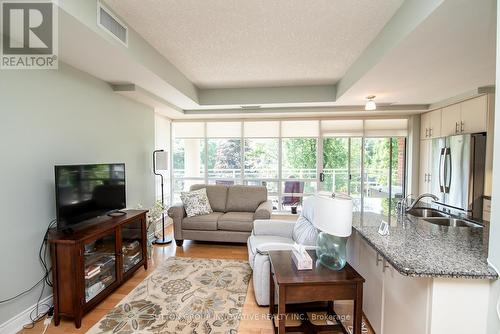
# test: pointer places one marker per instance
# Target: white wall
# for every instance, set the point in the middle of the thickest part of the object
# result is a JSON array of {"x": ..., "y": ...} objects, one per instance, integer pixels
[
  {"x": 494, "y": 236},
  {"x": 162, "y": 142},
  {"x": 58, "y": 117}
]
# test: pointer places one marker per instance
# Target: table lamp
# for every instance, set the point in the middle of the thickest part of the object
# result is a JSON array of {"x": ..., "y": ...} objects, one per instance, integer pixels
[{"x": 333, "y": 218}]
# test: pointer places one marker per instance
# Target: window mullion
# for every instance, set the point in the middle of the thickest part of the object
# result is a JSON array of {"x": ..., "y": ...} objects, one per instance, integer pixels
[
  {"x": 390, "y": 178},
  {"x": 242, "y": 154},
  {"x": 362, "y": 174},
  {"x": 319, "y": 159},
  {"x": 280, "y": 165},
  {"x": 206, "y": 153},
  {"x": 349, "y": 166},
  {"x": 171, "y": 146}
]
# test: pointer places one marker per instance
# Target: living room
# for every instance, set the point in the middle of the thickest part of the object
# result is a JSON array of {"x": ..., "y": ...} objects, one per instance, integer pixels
[{"x": 249, "y": 167}]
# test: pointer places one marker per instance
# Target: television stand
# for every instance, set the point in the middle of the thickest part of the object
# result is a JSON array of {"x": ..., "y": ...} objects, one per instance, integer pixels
[
  {"x": 67, "y": 230},
  {"x": 116, "y": 213},
  {"x": 90, "y": 263}
]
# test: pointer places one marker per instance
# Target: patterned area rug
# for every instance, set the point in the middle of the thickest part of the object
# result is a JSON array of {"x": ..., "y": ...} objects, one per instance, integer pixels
[{"x": 183, "y": 295}]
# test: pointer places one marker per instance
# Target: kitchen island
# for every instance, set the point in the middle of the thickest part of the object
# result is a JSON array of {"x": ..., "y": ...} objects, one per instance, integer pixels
[{"x": 422, "y": 277}]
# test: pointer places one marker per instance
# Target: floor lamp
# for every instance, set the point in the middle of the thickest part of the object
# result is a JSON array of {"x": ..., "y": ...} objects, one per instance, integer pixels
[{"x": 160, "y": 162}]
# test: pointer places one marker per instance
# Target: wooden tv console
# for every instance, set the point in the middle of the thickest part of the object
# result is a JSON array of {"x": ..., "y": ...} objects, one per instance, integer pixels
[{"x": 92, "y": 261}]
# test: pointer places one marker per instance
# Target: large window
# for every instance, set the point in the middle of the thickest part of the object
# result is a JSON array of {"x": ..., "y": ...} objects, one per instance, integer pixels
[
  {"x": 224, "y": 160},
  {"x": 299, "y": 170},
  {"x": 224, "y": 156},
  {"x": 336, "y": 165},
  {"x": 295, "y": 159},
  {"x": 342, "y": 167},
  {"x": 261, "y": 158},
  {"x": 384, "y": 174},
  {"x": 188, "y": 156}
]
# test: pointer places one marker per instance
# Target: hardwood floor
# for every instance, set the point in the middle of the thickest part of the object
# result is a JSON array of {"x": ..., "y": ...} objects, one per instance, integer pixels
[{"x": 254, "y": 321}]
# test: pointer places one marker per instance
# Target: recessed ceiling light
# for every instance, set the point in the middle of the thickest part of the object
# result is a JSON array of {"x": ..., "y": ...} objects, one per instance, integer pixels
[{"x": 370, "y": 103}]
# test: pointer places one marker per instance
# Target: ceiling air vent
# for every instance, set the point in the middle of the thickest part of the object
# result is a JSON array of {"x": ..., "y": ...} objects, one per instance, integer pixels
[
  {"x": 250, "y": 107},
  {"x": 111, "y": 24}
]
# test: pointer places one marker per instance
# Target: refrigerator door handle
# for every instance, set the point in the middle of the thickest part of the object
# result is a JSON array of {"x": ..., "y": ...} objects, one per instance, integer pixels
[
  {"x": 441, "y": 170},
  {"x": 448, "y": 169}
]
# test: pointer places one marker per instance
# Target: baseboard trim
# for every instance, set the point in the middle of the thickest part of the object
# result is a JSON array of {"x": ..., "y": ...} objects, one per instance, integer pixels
[{"x": 16, "y": 323}]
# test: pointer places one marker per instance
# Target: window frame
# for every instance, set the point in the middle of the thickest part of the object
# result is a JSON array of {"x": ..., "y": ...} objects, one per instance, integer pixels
[{"x": 280, "y": 194}]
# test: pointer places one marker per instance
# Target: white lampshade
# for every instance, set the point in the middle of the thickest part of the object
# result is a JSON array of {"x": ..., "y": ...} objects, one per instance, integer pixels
[
  {"x": 161, "y": 160},
  {"x": 333, "y": 214}
]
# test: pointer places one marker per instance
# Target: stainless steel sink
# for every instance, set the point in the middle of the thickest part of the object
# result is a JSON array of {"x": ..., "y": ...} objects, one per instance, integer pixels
[
  {"x": 424, "y": 213},
  {"x": 451, "y": 222}
]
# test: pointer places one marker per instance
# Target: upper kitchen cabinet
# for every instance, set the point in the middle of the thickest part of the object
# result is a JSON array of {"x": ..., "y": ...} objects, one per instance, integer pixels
[
  {"x": 435, "y": 128},
  {"x": 430, "y": 125},
  {"x": 425, "y": 124},
  {"x": 451, "y": 118},
  {"x": 474, "y": 115},
  {"x": 469, "y": 116}
]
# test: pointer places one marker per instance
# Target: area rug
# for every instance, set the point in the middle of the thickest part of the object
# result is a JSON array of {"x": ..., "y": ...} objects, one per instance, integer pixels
[{"x": 183, "y": 295}]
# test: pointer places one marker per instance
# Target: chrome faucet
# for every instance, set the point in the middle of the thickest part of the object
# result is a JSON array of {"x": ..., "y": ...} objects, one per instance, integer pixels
[{"x": 403, "y": 204}]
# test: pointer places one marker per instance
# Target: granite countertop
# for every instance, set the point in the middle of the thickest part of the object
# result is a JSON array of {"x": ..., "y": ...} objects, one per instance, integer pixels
[{"x": 418, "y": 248}]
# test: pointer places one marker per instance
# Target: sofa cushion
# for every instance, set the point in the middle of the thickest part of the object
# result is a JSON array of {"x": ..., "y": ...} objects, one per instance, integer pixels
[
  {"x": 217, "y": 195},
  {"x": 236, "y": 221},
  {"x": 205, "y": 222},
  {"x": 264, "y": 243},
  {"x": 245, "y": 198}
]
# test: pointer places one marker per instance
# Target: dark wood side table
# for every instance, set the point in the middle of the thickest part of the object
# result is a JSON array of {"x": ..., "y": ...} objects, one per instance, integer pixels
[{"x": 317, "y": 285}]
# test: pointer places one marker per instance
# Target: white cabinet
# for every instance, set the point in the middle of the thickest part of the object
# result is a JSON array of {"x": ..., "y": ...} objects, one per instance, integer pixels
[
  {"x": 425, "y": 166},
  {"x": 466, "y": 117},
  {"x": 405, "y": 303},
  {"x": 435, "y": 124},
  {"x": 395, "y": 304},
  {"x": 370, "y": 267},
  {"x": 451, "y": 118},
  {"x": 353, "y": 250},
  {"x": 425, "y": 124},
  {"x": 474, "y": 115},
  {"x": 430, "y": 125}
]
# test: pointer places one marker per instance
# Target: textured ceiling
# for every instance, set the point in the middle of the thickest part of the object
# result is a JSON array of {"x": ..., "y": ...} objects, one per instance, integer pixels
[
  {"x": 450, "y": 53},
  {"x": 242, "y": 43}
]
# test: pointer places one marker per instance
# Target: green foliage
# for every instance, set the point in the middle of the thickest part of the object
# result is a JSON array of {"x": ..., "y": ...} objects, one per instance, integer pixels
[
  {"x": 335, "y": 153},
  {"x": 261, "y": 157},
  {"x": 336, "y": 156},
  {"x": 299, "y": 153},
  {"x": 227, "y": 153}
]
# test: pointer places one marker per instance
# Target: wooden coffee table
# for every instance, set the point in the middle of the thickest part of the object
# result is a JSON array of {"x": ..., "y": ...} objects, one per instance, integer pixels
[{"x": 308, "y": 286}]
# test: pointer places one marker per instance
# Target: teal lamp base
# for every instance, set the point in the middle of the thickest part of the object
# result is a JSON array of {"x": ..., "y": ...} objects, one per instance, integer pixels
[{"x": 331, "y": 251}]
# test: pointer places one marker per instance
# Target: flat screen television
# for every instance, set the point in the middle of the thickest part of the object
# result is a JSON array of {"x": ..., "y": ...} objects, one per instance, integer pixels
[{"x": 84, "y": 192}]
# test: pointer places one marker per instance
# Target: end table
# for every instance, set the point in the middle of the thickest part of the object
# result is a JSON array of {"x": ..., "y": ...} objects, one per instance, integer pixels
[{"x": 317, "y": 285}]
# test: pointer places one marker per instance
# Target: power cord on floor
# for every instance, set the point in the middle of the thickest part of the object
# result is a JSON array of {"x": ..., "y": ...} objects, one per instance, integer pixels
[
  {"x": 36, "y": 315},
  {"x": 47, "y": 323}
]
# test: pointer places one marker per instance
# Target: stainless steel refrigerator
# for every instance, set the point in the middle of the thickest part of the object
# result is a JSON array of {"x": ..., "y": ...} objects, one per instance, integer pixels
[{"x": 458, "y": 161}]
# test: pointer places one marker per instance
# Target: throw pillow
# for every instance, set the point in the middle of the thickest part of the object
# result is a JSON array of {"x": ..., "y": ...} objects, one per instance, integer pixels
[
  {"x": 304, "y": 231},
  {"x": 196, "y": 202}
]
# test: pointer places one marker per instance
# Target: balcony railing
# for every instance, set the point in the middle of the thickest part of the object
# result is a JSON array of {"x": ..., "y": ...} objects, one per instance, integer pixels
[{"x": 372, "y": 177}]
